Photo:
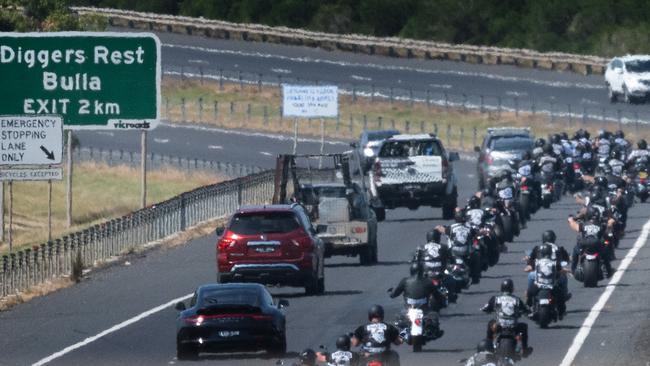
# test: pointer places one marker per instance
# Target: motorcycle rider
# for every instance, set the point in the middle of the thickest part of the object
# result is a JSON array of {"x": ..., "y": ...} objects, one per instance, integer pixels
[
  {"x": 485, "y": 356},
  {"x": 307, "y": 357},
  {"x": 436, "y": 257},
  {"x": 641, "y": 152},
  {"x": 505, "y": 189},
  {"x": 508, "y": 309},
  {"x": 615, "y": 163},
  {"x": 590, "y": 234},
  {"x": 547, "y": 270},
  {"x": 377, "y": 336},
  {"x": 621, "y": 142},
  {"x": 603, "y": 144},
  {"x": 558, "y": 254},
  {"x": 342, "y": 356},
  {"x": 460, "y": 235},
  {"x": 538, "y": 149}
]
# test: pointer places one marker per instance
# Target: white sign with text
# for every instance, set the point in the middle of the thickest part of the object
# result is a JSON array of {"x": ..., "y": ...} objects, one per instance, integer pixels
[
  {"x": 309, "y": 101},
  {"x": 31, "y": 140}
]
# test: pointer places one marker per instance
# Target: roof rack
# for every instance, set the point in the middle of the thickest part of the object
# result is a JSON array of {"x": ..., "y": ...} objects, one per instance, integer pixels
[{"x": 508, "y": 130}]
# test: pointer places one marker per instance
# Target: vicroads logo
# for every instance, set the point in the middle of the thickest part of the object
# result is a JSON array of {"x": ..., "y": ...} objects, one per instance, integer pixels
[{"x": 119, "y": 124}]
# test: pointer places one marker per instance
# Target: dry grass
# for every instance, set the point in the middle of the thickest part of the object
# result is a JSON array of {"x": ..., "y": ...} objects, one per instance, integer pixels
[
  {"x": 99, "y": 193},
  {"x": 35, "y": 291},
  {"x": 233, "y": 106}
]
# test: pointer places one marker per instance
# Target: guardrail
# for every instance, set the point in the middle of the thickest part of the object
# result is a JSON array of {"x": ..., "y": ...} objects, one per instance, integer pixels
[
  {"x": 29, "y": 267},
  {"x": 160, "y": 161},
  {"x": 395, "y": 47}
]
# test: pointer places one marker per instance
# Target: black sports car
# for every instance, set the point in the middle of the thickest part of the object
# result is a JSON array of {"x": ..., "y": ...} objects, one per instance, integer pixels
[{"x": 230, "y": 317}]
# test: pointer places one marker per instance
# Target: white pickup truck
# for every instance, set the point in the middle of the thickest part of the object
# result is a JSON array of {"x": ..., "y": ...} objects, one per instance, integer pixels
[{"x": 413, "y": 171}]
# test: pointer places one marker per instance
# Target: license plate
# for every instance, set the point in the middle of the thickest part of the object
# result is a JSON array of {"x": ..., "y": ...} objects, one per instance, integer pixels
[
  {"x": 411, "y": 187},
  {"x": 265, "y": 249},
  {"x": 544, "y": 301},
  {"x": 546, "y": 191},
  {"x": 590, "y": 257},
  {"x": 228, "y": 333}
]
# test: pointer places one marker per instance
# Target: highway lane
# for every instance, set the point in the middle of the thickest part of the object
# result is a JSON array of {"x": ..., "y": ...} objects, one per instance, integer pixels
[
  {"x": 188, "y": 53},
  {"x": 208, "y": 143},
  {"x": 39, "y": 328}
]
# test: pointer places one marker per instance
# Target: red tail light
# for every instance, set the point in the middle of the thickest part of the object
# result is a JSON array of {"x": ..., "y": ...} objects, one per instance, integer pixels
[
  {"x": 374, "y": 363},
  {"x": 418, "y": 322},
  {"x": 226, "y": 243},
  {"x": 358, "y": 230},
  {"x": 642, "y": 180},
  {"x": 576, "y": 166},
  {"x": 435, "y": 282},
  {"x": 606, "y": 242}
]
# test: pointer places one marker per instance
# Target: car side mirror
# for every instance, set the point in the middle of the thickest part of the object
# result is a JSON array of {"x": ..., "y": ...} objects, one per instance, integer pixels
[
  {"x": 321, "y": 229},
  {"x": 220, "y": 231},
  {"x": 453, "y": 156},
  {"x": 477, "y": 149},
  {"x": 283, "y": 303},
  {"x": 180, "y": 306}
]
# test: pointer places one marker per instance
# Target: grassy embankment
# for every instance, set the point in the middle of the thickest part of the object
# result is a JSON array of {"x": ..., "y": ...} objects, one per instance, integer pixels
[
  {"x": 174, "y": 90},
  {"x": 99, "y": 193}
]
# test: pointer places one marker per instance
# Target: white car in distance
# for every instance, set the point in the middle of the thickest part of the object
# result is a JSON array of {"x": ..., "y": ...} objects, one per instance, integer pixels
[{"x": 628, "y": 77}]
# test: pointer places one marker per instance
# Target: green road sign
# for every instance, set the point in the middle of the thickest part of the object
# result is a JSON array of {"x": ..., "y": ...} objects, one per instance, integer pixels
[{"x": 93, "y": 80}]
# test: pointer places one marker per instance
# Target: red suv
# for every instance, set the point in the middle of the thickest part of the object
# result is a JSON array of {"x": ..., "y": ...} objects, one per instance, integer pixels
[{"x": 274, "y": 245}]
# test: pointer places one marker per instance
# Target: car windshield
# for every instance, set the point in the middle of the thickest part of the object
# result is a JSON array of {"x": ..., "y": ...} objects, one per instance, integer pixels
[
  {"x": 230, "y": 296},
  {"x": 638, "y": 66},
  {"x": 512, "y": 143},
  {"x": 335, "y": 192},
  {"x": 381, "y": 135},
  {"x": 264, "y": 223},
  {"x": 403, "y": 149}
]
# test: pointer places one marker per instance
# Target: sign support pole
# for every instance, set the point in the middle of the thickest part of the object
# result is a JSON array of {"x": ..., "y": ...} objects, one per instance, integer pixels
[
  {"x": 322, "y": 142},
  {"x": 11, "y": 204},
  {"x": 295, "y": 135},
  {"x": 143, "y": 167},
  {"x": 49, "y": 210},
  {"x": 69, "y": 180},
  {"x": 2, "y": 211}
]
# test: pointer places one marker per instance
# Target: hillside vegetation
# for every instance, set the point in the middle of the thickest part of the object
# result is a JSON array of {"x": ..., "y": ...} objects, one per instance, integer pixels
[{"x": 600, "y": 27}]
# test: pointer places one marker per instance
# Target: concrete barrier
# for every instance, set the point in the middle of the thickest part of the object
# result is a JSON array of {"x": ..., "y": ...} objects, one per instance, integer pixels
[{"x": 393, "y": 47}]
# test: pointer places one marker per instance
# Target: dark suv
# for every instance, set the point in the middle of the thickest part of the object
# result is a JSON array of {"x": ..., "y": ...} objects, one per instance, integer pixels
[
  {"x": 499, "y": 146},
  {"x": 271, "y": 244}
]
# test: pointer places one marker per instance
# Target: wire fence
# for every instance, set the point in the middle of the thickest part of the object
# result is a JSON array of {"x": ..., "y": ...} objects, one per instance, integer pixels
[
  {"x": 29, "y": 267},
  {"x": 162, "y": 161},
  {"x": 588, "y": 112}
]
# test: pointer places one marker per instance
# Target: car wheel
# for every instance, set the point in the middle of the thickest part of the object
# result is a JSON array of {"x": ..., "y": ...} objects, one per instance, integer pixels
[
  {"x": 613, "y": 98},
  {"x": 311, "y": 287},
  {"x": 279, "y": 349},
  {"x": 220, "y": 278},
  {"x": 449, "y": 206},
  {"x": 375, "y": 251},
  {"x": 186, "y": 351},
  {"x": 321, "y": 286}
]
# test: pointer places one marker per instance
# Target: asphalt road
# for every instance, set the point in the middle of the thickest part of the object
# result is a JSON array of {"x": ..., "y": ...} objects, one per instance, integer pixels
[
  {"x": 547, "y": 90},
  {"x": 37, "y": 329}
]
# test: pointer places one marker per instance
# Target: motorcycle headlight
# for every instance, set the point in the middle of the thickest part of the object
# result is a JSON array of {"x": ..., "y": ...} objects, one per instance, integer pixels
[{"x": 368, "y": 152}]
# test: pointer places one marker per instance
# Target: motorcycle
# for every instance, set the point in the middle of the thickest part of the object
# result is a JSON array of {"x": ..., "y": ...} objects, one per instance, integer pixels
[
  {"x": 642, "y": 185},
  {"x": 548, "y": 191},
  {"x": 459, "y": 273},
  {"x": 417, "y": 328},
  {"x": 588, "y": 270},
  {"x": 577, "y": 184},
  {"x": 544, "y": 308},
  {"x": 509, "y": 219},
  {"x": 527, "y": 200},
  {"x": 507, "y": 343}
]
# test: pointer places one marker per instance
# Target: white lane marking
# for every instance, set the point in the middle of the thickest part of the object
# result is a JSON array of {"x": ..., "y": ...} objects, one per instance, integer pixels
[
  {"x": 363, "y": 78},
  {"x": 281, "y": 71},
  {"x": 556, "y": 84},
  {"x": 516, "y": 93},
  {"x": 215, "y": 147},
  {"x": 110, "y": 330},
  {"x": 161, "y": 141},
  {"x": 106, "y": 133},
  {"x": 470, "y": 175},
  {"x": 265, "y": 153},
  {"x": 253, "y": 134},
  {"x": 198, "y": 62},
  {"x": 440, "y": 86},
  {"x": 580, "y": 338},
  {"x": 588, "y": 101}
]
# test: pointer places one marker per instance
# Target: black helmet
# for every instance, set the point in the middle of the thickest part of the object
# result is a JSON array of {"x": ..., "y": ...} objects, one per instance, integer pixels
[
  {"x": 459, "y": 216},
  {"x": 642, "y": 144},
  {"x": 601, "y": 181},
  {"x": 485, "y": 346},
  {"x": 603, "y": 134},
  {"x": 307, "y": 357},
  {"x": 507, "y": 286},
  {"x": 564, "y": 136},
  {"x": 593, "y": 214},
  {"x": 415, "y": 269},
  {"x": 526, "y": 155},
  {"x": 376, "y": 311},
  {"x": 586, "y": 134},
  {"x": 555, "y": 138},
  {"x": 619, "y": 134},
  {"x": 433, "y": 236},
  {"x": 615, "y": 154},
  {"x": 548, "y": 149},
  {"x": 343, "y": 343},
  {"x": 545, "y": 251},
  {"x": 474, "y": 202},
  {"x": 548, "y": 236},
  {"x": 540, "y": 142}
]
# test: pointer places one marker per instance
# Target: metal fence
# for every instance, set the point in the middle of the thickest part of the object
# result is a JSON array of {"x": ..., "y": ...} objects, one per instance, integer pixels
[
  {"x": 29, "y": 267},
  {"x": 555, "y": 109},
  {"x": 161, "y": 161}
]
